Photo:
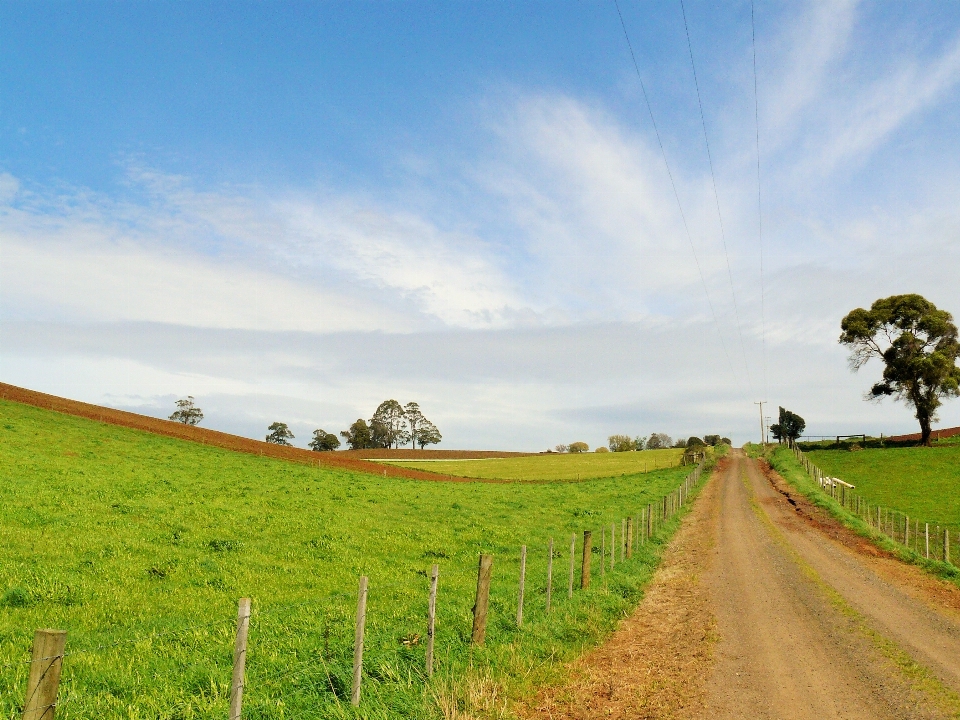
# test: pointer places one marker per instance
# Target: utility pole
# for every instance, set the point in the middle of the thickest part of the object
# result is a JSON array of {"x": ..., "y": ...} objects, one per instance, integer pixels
[{"x": 760, "y": 403}]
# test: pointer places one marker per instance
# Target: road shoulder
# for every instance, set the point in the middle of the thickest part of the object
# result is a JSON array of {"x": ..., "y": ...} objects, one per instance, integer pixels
[{"x": 655, "y": 664}]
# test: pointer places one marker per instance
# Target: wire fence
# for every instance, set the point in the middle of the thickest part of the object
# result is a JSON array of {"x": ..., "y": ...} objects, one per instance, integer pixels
[
  {"x": 352, "y": 639},
  {"x": 932, "y": 541}
]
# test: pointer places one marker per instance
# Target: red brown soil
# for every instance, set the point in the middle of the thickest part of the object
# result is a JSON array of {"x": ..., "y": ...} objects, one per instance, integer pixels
[
  {"x": 765, "y": 607},
  {"x": 353, "y": 460},
  {"x": 943, "y": 434}
]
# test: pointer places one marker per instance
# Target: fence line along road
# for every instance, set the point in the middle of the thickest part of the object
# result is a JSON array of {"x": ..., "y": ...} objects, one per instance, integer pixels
[
  {"x": 931, "y": 541},
  {"x": 49, "y": 646}
]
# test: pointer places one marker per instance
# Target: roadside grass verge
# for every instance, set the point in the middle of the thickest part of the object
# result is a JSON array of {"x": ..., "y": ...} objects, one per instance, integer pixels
[
  {"x": 558, "y": 466},
  {"x": 783, "y": 461},
  {"x": 139, "y": 546}
]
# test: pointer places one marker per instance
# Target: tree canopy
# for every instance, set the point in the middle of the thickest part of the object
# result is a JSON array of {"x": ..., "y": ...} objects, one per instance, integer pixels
[
  {"x": 578, "y": 447},
  {"x": 918, "y": 345},
  {"x": 391, "y": 426},
  {"x": 789, "y": 427},
  {"x": 279, "y": 434},
  {"x": 187, "y": 412},
  {"x": 620, "y": 443},
  {"x": 358, "y": 436},
  {"x": 427, "y": 434},
  {"x": 324, "y": 441},
  {"x": 388, "y": 426},
  {"x": 656, "y": 441}
]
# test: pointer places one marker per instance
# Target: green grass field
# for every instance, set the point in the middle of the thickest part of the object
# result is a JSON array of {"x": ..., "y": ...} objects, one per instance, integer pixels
[
  {"x": 921, "y": 482},
  {"x": 140, "y": 546},
  {"x": 566, "y": 466}
]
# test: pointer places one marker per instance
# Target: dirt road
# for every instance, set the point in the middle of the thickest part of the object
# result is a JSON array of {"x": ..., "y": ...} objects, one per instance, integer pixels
[{"x": 766, "y": 608}]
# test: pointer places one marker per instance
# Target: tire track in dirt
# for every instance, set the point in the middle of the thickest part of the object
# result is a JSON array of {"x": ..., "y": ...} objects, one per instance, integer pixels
[{"x": 757, "y": 613}]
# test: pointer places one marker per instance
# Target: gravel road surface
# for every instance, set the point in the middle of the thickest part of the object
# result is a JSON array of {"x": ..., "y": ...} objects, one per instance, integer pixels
[{"x": 765, "y": 607}]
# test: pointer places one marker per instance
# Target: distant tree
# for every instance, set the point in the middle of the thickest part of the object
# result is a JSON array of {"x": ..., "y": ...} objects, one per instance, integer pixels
[
  {"x": 656, "y": 441},
  {"x": 695, "y": 442},
  {"x": 388, "y": 426},
  {"x": 324, "y": 441},
  {"x": 919, "y": 347},
  {"x": 358, "y": 436},
  {"x": 427, "y": 434},
  {"x": 789, "y": 427},
  {"x": 680, "y": 443},
  {"x": 711, "y": 440},
  {"x": 414, "y": 418},
  {"x": 726, "y": 441},
  {"x": 186, "y": 412},
  {"x": 639, "y": 442},
  {"x": 578, "y": 447},
  {"x": 620, "y": 443},
  {"x": 380, "y": 435},
  {"x": 561, "y": 448},
  {"x": 279, "y": 434},
  {"x": 601, "y": 449}
]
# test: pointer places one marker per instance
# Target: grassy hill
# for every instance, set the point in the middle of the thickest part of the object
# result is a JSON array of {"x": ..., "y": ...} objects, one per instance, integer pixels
[
  {"x": 140, "y": 545},
  {"x": 922, "y": 482}
]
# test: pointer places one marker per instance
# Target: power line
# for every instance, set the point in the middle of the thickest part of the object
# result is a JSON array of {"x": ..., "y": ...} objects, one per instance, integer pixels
[
  {"x": 716, "y": 195},
  {"x": 756, "y": 117},
  {"x": 673, "y": 184}
]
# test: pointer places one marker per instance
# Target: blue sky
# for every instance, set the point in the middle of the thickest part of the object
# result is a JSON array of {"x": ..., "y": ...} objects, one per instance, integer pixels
[{"x": 294, "y": 211}]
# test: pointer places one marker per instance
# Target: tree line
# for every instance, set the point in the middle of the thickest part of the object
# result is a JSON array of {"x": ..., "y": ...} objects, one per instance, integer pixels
[
  {"x": 656, "y": 441},
  {"x": 392, "y": 426}
]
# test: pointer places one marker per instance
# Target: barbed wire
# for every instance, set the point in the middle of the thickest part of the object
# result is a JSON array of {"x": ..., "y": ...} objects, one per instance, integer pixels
[{"x": 322, "y": 604}]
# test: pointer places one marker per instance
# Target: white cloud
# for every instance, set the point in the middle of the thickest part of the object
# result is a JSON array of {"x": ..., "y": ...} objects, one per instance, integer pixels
[
  {"x": 537, "y": 290},
  {"x": 83, "y": 273}
]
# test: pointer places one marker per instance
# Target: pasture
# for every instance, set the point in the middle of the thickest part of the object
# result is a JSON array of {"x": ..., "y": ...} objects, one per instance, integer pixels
[
  {"x": 921, "y": 482},
  {"x": 140, "y": 545},
  {"x": 551, "y": 467}
]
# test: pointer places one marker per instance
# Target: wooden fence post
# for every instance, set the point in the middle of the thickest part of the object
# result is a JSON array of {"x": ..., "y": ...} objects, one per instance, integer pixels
[
  {"x": 926, "y": 535},
  {"x": 483, "y": 600},
  {"x": 358, "y": 641},
  {"x": 946, "y": 545},
  {"x": 623, "y": 539},
  {"x": 239, "y": 659},
  {"x": 523, "y": 574},
  {"x": 432, "y": 617},
  {"x": 46, "y": 662},
  {"x": 603, "y": 551},
  {"x": 573, "y": 552},
  {"x": 650, "y": 520},
  {"x": 585, "y": 564},
  {"x": 549, "y": 573},
  {"x": 629, "y": 537},
  {"x": 613, "y": 545}
]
